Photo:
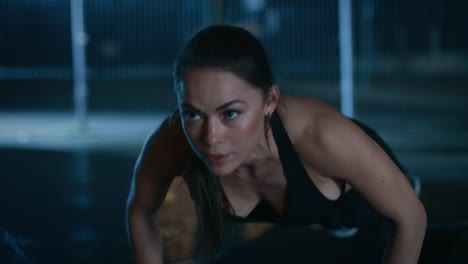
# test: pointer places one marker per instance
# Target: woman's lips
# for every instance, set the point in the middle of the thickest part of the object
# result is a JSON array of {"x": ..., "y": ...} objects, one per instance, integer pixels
[{"x": 217, "y": 159}]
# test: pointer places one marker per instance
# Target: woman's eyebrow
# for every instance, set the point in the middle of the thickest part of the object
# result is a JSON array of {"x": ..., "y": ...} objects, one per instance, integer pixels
[
  {"x": 221, "y": 107},
  {"x": 226, "y": 105},
  {"x": 187, "y": 105}
]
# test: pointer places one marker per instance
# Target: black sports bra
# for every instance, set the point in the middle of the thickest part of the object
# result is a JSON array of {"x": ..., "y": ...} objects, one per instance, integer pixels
[{"x": 305, "y": 203}]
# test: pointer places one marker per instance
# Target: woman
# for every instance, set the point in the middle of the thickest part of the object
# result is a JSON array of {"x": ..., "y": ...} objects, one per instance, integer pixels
[{"x": 248, "y": 153}]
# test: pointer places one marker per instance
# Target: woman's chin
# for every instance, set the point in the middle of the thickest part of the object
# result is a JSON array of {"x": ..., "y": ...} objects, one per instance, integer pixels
[{"x": 222, "y": 171}]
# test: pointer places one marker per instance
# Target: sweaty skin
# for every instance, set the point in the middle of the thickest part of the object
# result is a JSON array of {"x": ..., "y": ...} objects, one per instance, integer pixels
[
  {"x": 224, "y": 115},
  {"x": 223, "y": 121}
]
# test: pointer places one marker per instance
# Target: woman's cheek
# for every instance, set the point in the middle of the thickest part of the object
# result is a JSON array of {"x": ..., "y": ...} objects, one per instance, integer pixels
[
  {"x": 192, "y": 132},
  {"x": 248, "y": 133},
  {"x": 255, "y": 125}
]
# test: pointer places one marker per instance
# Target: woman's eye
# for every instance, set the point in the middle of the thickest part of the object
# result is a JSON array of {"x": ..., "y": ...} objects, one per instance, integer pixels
[
  {"x": 231, "y": 114},
  {"x": 191, "y": 116}
]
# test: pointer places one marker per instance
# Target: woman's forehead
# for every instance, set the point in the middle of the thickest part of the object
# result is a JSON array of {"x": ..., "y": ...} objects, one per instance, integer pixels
[{"x": 217, "y": 85}]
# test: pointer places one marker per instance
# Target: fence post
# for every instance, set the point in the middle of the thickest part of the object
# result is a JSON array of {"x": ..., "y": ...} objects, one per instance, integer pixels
[
  {"x": 346, "y": 57},
  {"x": 78, "y": 41}
]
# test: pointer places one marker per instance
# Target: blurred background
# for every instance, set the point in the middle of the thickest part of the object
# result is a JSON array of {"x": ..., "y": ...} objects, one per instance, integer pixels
[{"x": 82, "y": 84}]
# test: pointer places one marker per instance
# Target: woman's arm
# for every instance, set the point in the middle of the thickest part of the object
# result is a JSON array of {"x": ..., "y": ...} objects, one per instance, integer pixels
[
  {"x": 159, "y": 162},
  {"x": 143, "y": 231},
  {"x": 338, "y": 148}
]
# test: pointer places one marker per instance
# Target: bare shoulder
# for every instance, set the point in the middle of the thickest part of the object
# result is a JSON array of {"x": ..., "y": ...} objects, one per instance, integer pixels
[
  {"x": 161, "y": 159},
  {"x": 308, "y": 119},
  {"x": 165, "y": 145},
  {"x": 316, "y": 128}
]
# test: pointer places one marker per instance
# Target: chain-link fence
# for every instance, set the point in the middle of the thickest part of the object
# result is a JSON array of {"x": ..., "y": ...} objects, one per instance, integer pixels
[{"x": 408, "y": 55}]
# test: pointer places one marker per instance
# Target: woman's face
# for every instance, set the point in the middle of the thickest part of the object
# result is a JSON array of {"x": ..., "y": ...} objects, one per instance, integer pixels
[{"x": 223, "y": 117}]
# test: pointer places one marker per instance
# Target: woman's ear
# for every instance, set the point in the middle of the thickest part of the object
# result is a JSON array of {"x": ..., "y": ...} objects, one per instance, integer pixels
[{"x": 272, "y": 99}]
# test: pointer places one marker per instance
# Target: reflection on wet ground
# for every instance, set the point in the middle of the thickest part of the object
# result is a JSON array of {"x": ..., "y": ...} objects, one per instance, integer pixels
[
  {"x": 64, "y": 207},
  {"x": 67, "y": 205}
]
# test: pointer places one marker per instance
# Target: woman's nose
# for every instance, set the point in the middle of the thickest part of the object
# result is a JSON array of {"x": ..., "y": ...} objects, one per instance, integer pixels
[{"x": 213, "y": 133}]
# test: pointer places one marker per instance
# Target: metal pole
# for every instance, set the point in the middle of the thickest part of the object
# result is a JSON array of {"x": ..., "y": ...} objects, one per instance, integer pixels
[
  {"x": 79, "y": 39},
  {"x": 346, "y": 57}
]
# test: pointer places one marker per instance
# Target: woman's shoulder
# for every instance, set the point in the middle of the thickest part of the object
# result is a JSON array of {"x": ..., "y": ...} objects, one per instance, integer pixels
[
  {"x": 306, "y": 118},
  {"x": 316, "y": 128},
  {"x": 168, "y": 141}
]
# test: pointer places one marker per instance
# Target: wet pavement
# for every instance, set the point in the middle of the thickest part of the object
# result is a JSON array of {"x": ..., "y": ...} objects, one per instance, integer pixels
[
  {"x": 64, "y": 207},
  {"x": 64, "y": 188}
]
